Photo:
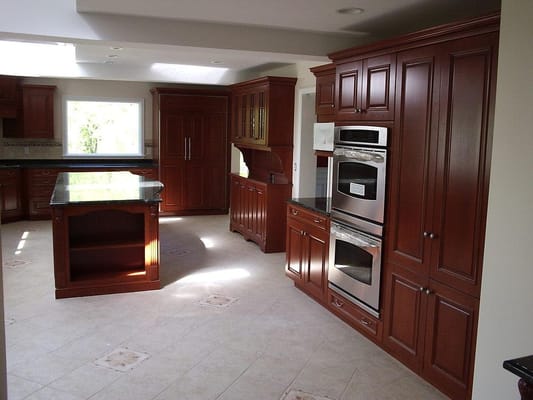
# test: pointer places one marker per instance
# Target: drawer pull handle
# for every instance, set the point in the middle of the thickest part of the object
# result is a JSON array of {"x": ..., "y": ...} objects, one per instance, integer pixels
[
  {"x": 294, "y": 212},
  {"x": 365, "y": 322},
  {"x": 338, "y": 303},
  {"x": 317, "y": 221}
]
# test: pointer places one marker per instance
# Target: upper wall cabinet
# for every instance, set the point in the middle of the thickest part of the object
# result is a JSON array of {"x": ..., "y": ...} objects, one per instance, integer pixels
[
  {"x": 263, "y": 112},
  {"x": 35, "y": 114},
  {"x": 38, "y": 110},
  {"x": 9, "y": 94},
  {"x": 325, "y": 92},
  {"x": 364, "y": 89}
]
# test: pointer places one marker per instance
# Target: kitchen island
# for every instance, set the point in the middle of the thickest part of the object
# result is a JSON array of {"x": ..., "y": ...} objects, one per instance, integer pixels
[{"x": 105, "y": 233}]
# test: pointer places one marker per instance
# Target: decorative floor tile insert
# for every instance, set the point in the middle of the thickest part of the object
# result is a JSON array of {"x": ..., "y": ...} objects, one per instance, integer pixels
[
  {"x": 299, "y": 395},
  {"x": 218, "y": 300},
  {"x": 122, "y": 359},
  {"x": 15, "y": 263}
]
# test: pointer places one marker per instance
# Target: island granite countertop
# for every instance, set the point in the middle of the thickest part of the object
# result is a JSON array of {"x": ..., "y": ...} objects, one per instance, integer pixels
[{"x": 86, "y": 188}]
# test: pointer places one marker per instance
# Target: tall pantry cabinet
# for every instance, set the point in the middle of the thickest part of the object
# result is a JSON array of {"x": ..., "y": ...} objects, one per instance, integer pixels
[
  {"x": 437, "y": 207},
  {"x": 193, "y": 151}
]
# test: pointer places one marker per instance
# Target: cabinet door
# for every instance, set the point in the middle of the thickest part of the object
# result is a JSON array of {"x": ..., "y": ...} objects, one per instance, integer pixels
[
  {"x": 405, "y": 310},
  {"x": 412, "y": 166},
  {"x": 467, "y": 96},
  {"x": 173, "y": 148},
  {"x": 11, "y": 194},
  {"x": 38, "y": 109},
  {"x": 325, "y": 97},
  {"x": 294, "y": 267},
  {"x": 450, "y": 340},
  {"x": 259, "y": 213},
  {"x": 377, "y": 93},
  {"x": 348, "y": 88},
  {"x": 235, "y": 201},
  {"x": 315, "y": 261},
  {"x": 204, "y": 185}
]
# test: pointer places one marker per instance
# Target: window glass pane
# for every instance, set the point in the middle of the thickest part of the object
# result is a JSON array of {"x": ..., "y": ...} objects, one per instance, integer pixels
[{"x": 103, "y": 127}]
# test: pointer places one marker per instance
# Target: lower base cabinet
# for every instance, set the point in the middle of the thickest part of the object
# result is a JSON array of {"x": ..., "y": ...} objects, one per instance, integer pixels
[
  {"x": 307, "y": 251},
  {"x": 431, "y": 328},
  {"x": 10, "y": 194},
  {"x": 258, "y": 212}
]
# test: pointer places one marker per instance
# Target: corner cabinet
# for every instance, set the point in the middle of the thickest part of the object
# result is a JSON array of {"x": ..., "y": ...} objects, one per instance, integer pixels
[
  {"x": 307, "y": 251},
  {"x": 256, "y": 212},
  {"x": 437, "y": 209},
  {"x": 11, "y": 194}
]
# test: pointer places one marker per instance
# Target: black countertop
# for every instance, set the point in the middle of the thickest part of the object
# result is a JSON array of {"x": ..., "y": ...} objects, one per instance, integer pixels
[
  {"x": 92, "y": 188},
  {"x": 522, "y": 367},
  {"x": 79, "y": 163},
  {"x": 321, "y": 205}
]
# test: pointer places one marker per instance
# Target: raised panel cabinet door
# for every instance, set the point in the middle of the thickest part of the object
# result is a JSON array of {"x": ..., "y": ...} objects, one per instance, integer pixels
[
  {"x": 348, "y": 86},
  {"x": 294, "y": 267},
  {"x": 325, "y": 97},
  {"x": 465, "y": 135},
  {"x": 412, "y": 166},
  {"x": 405, "y": 311},
  {"x": 38, "y": 110},
  {"x": 172, "y": 136},
  {"x": 316, "y": 244},
  {"x": 234, "y": 200},
  {"x": 450, "y": 340},
  {"x": 378, "y": 86},
  {"x": 171, "y": 174}
]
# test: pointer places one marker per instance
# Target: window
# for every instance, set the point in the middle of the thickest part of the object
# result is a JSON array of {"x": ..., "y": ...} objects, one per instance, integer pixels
[{"x": 97, "y": 127}]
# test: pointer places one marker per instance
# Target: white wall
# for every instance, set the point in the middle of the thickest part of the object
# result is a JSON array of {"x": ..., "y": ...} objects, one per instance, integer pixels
[{"x": 506, "y": 318}]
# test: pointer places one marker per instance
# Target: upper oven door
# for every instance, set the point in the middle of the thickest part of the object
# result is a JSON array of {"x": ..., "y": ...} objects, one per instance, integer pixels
[{"x": 359, "y": 176}]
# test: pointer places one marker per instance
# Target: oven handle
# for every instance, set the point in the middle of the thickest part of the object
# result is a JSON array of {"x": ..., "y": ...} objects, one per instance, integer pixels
[
  {"x": 361, "y": 155},
  {"x": 359, "y": 240}
]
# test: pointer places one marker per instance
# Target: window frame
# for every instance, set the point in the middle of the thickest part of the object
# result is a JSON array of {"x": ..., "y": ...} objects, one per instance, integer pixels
[{"x": 138, "y": 100}]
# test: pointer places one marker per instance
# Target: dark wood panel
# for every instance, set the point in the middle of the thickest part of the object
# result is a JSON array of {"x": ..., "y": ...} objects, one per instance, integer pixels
[
  {"x": 38, "y": 111},
  {"x": 450, "y": 340},
  {"x": 411, "y": 173},
  {"x": 348, "y": 90},
  {"x": 316, "y": 261},
  {"x": 377, "y": 93},
  {"x": 294, "y": 250},
  {"x": 405, "y": 308},
  {"x": 461, "y": 196}
]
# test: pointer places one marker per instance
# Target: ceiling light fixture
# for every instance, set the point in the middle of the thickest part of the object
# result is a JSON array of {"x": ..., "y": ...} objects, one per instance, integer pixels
[
  {"x": 351, "y": 10},
  {"x": 112, "y": 55},
  {"x": 116, "y": 48}
]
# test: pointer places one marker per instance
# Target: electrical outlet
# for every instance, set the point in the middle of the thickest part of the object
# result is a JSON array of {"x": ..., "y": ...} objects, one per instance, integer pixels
[
  {"x": 26, "y": 150},
  {"x": 295, "y": 167}
]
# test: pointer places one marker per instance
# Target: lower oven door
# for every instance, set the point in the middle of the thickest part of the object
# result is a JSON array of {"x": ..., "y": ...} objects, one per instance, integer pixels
[{"x": 355, "y": 265}]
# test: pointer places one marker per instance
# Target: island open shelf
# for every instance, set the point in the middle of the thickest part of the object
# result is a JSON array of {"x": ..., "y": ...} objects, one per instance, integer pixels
[{"x": 105, "y": 233}]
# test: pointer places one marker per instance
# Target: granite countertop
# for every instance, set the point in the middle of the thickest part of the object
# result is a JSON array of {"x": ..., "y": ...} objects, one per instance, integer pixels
[
  {"x": 521, "y": 367},
  {"x": 79, "y": 163},
  {"x": 87, "y": 188},
  {"x": 321, "y": 205}
]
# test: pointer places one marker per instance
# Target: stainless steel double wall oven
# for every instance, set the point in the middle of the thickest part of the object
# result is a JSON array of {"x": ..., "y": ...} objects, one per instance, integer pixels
[{"x": 358, "y": 207}]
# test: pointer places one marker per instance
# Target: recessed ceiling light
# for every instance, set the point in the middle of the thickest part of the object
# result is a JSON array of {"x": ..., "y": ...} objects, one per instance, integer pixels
[
  {"x": 116, "y": 48},
  {"x": 112, "y": 56},
  {"x": 108, "y": 62},
  {"x": 351, "y": 10},
  {"x": 217, "y": 62}
]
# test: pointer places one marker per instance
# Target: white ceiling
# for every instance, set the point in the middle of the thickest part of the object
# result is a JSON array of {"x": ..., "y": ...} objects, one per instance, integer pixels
[{"x": 239, "y": 35}]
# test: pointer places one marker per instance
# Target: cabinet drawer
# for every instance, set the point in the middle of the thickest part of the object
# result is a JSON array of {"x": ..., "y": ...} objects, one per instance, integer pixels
[
  {"x": 355, "y": 316},
  {"x": 308, "y": 216}
]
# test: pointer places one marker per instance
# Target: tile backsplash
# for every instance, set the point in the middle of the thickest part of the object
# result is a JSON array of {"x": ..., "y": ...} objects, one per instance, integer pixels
[{"x": 13, "y": 149}]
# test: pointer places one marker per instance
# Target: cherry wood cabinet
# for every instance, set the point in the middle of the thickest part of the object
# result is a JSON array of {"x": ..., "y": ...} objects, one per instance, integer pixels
[
  {"x": 262, "y": 112},
  {"x": 437, "y": 208},
  {"x": 9, "y": 96},
  {"x": 307, "y": 251},
  {"x": 38, "y": 111},
  {"x": 11, "y": 194},
  {"x": 325, "y": 92},
  {"x": 193, "y": 152},
  {"x": 256, "y": 212},
  {"x": 364, "y": 89}
]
